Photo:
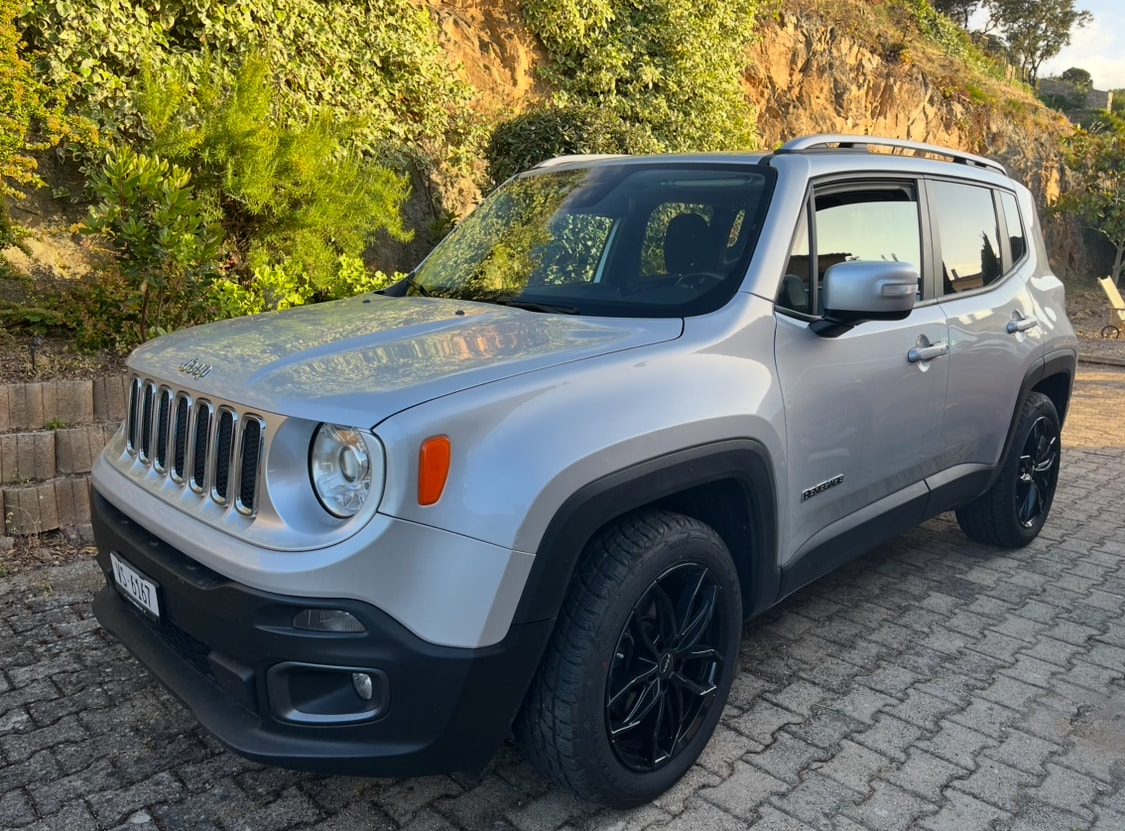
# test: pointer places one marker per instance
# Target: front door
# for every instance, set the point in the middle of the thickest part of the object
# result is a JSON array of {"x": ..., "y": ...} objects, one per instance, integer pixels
[{"x": 863, "y": 410}]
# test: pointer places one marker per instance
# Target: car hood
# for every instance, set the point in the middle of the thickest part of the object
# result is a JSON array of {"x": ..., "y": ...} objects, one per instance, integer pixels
[{"x": 359, "y": 360}]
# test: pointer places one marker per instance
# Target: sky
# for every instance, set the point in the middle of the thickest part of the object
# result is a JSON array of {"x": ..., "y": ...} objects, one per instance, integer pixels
[{"x": 1094, "y": 48}]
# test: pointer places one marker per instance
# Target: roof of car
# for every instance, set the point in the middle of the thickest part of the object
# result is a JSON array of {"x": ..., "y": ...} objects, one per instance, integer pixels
[{"x": 818, "y": 145}]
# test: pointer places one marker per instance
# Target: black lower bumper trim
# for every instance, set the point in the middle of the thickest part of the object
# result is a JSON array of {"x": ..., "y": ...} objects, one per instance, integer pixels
[{"x": 448, "y": 708}]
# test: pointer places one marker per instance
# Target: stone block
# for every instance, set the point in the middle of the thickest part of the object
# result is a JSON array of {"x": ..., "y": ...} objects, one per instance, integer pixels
[
  {"x": 25, "y": 406},
  {"x": 74, "y": 402},
  {"x": 30, "y": 509},
  {"x": 77, "y": 447},
  {"x": 26, "y": 457},
  {"x": 72, "y": 500},
  {"x": 5, "y": 407},
  {"x": 111, "y": 395}
]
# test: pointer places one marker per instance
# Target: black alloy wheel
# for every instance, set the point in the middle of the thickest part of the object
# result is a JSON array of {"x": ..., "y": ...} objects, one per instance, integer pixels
[
  {"x": 1011, "y": 513},
  {"x": 665, "y": 669},
  {"x": 1038, "y": 471},
  {"x": 639, "y": 666}
]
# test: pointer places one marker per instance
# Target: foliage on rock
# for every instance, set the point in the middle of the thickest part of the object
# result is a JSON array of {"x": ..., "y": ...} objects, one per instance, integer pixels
[
  {"x": 672, "y": 68},
  {"x": 31, "y": 118},
  {"x": 295, "y": 195},
  {"x": 376, "y": 62},
  {"x": 165, "y": 247},
  {"x": 550, "y": 130},
  {"x": 1097, "y": 156}
]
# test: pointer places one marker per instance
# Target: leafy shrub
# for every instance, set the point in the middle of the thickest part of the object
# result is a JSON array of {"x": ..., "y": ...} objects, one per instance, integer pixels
[
  {"x": 673, "y": 68},
  {"x": 377, "y": 61},
  {"x": 165, "y": 245},
  {"x": 30, "y": 119},
  {"x": 547, "y": 131},
  {"x": 275, "y": 288},
  {"x": 294, "y": 197},
  {"x": 949, "y": 37}
]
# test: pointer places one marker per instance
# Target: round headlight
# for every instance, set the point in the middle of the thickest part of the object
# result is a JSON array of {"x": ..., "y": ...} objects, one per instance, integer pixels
[{"x": 340, "y": 466}]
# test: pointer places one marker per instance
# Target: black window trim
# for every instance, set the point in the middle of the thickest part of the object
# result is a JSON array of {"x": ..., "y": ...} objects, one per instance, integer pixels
[
  {"x": 869, "y": 180},
  {"x": 1008, "y": 267}
]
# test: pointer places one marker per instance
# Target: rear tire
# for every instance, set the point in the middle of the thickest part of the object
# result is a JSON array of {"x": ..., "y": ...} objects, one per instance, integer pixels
[
  {"x": 639, "y": 666},
  {"x": 1011, "y": 512}
]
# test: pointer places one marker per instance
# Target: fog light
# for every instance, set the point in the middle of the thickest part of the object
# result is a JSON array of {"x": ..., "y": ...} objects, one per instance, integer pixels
[
  {"x": 327, "y": 620},
  {"x": 363, "y": 686},
  {"x": 314, "y": 694}
]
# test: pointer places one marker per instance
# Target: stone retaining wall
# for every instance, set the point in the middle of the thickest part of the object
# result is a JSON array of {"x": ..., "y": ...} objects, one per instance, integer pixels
[{"x": 50, "y": 434}]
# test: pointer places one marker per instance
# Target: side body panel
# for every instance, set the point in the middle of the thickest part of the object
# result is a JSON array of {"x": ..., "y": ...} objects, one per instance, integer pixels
[{"x": 862, "y": 421}]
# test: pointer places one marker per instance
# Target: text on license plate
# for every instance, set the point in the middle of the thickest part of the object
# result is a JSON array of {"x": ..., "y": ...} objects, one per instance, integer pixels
[{"x": 140, "y": 589}]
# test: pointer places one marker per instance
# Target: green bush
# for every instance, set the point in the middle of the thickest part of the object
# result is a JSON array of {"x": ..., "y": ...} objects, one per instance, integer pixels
[
  {"x": 231, "y": 212},
  {"x": 547, "y": 131},
  {"x": 31, "y": 119},
  {"x": 275, "y": 288},
  {"x": 951, "y": 38},
  {"x": 376, "y": 63},
  {"x": 673, "y": 68},
  {"x": 166, "y": 248},
  {"x": 294, "y": 196}
]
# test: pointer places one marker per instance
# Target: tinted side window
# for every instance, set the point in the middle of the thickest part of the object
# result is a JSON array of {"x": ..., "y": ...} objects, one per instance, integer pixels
[
  {"x": 866, "y": 222},
  {"x": 1016, "y": 234},
  {"x": 965, "y": 218}
]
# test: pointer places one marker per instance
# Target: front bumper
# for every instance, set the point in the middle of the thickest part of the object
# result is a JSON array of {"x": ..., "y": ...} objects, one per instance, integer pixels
[{"x": 231, "y": 654}]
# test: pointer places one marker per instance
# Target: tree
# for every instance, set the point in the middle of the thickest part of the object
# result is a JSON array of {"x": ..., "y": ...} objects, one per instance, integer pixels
[
  {"x": 959, "y": 11},
  {"x": 1035, "y": 30},
  {"x": 1097, "y": 157},
  {"x": 30, "y": 118},
  {"x": 1079, "y": 77}
]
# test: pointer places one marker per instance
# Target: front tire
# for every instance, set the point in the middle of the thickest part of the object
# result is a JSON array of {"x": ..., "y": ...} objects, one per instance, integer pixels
[
  {"x": 1011, "y": 513},
  {"x": 640, "y": 663}
]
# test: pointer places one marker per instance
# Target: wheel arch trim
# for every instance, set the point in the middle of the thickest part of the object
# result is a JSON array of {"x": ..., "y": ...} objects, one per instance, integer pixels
[
  {"x": 745, "y": 462},
  {"x": 1054, "y": 377}
]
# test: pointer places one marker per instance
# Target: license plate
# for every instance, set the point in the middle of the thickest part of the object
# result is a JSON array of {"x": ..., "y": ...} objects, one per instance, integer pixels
[{"x": 136, "y": 586}]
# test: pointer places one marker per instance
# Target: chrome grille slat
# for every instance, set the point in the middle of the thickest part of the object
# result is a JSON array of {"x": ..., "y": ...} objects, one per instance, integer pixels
[
  {"x": 134, "y": 421},
  {"x": 213, "y": 449},
  {"x": 180, "y": 438}
]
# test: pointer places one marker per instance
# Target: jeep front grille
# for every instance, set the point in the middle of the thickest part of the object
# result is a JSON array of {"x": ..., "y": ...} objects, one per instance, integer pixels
[{"x": 214, "y": 450}]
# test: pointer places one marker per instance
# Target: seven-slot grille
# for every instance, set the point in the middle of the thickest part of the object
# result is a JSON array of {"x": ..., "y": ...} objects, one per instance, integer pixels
[{"x": 214, "y": 450}]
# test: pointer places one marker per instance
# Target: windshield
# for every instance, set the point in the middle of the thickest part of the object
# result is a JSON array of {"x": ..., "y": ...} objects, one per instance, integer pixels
[{"x": 654, "y": 240}]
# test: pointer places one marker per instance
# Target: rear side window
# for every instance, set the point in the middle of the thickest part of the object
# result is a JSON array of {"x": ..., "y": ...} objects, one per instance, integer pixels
[
  {"x": 1017, "y": 237},
  {"x": 968, "y": 235}
]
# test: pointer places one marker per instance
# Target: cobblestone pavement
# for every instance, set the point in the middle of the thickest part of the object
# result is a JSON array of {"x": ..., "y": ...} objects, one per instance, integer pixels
[{"x": 933, "y": 684}]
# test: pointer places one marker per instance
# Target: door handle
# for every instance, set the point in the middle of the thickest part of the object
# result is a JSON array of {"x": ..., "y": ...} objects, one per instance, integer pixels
[
  {"x": 927, "y": 353},
  {"x": 1021, "y": 324}
]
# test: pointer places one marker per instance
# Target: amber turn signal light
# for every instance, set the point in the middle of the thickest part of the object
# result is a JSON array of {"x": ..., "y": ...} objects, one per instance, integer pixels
[{"x": 433, "y": 469}]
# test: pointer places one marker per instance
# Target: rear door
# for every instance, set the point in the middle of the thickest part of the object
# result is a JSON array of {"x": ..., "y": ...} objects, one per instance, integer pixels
[{"x": 995, "y": 336}]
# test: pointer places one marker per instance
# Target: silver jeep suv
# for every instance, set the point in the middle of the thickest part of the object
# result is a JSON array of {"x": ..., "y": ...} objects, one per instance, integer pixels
[{"x": 539, "y": 484}]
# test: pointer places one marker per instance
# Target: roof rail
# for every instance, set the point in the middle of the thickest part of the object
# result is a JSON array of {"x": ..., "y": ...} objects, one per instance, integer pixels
[
  {"x": 862, "y": 142},
  {"x": 578, "y": 157}
]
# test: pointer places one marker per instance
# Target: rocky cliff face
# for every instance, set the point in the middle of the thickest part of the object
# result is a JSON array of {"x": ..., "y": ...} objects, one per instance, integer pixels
[{"x": 808, "y": 75}]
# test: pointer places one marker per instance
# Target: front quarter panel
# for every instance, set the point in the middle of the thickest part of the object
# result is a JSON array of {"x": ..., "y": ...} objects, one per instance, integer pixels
[{"x": 522, "y": 448}]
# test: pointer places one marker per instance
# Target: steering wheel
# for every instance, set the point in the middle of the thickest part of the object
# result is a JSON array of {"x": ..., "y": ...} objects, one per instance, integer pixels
[{"x": 699, "y": 279}]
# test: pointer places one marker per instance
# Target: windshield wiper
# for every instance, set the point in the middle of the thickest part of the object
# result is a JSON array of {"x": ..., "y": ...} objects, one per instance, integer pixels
[
  {"x": 412, "y": 281},
  {"x": 533, "y": 306}
]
